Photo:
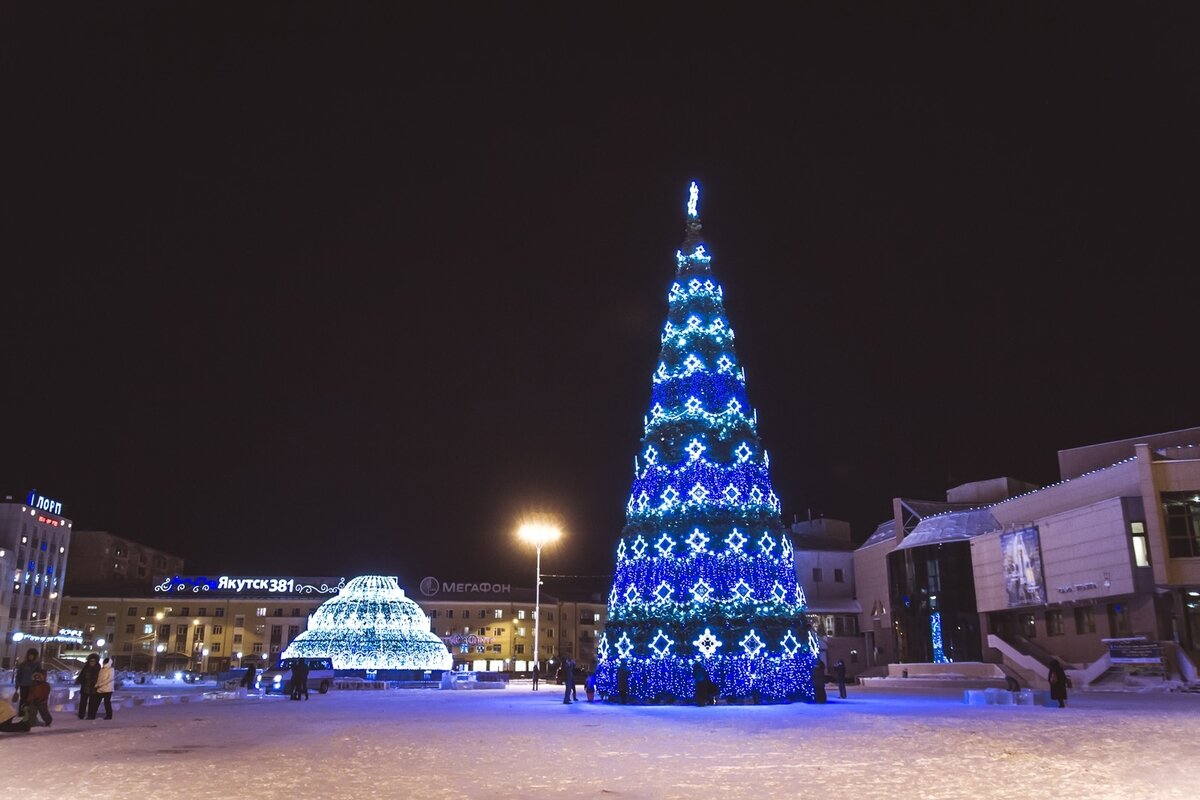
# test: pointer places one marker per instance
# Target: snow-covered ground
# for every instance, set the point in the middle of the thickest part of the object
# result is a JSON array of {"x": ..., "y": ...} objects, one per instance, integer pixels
[{"x": 518, "y": 743}]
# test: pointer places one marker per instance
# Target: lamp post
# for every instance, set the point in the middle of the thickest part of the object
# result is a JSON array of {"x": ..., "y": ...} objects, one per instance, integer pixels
[{"x": 538, "y": 534}]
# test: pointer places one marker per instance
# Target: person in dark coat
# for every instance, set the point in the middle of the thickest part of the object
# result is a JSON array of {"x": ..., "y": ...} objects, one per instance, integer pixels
[
  {"x": 299, "y": 678},
  {"x": 86, "y": 679},
  {"x": 818, "y": 679},
  {"x": 700, "y": 679},
  {"x": 23, "y": 677},
  {"x": 623, "y": 683},
  {"x": 568, "y": 674},
  {"x": 839, "y": 669},
  {"x": 1058, "y": 682},
  {"x": 248, "y": 678}
]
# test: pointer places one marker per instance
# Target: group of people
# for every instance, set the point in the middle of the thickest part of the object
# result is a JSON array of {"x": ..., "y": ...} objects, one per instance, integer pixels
[{"x": 32, "y": 696}]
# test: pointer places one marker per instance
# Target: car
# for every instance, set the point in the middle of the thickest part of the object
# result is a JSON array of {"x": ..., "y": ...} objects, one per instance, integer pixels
[{"x": 278, "y": 679}]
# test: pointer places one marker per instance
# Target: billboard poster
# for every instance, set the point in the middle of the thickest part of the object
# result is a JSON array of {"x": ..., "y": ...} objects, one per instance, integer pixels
[{"x": 1021, "y": 552}]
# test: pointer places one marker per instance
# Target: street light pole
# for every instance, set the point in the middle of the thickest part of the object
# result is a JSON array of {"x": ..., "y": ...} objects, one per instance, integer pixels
[{"x": 538, "y": 534}]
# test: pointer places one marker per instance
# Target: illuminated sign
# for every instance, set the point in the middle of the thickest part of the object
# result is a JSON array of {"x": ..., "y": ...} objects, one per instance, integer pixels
[
  {"x": 431, "y": 586},
  {"x": 44, "y": 503},
  {"x": 253, "y": 587},
  {"x": 64, "y": 635}
]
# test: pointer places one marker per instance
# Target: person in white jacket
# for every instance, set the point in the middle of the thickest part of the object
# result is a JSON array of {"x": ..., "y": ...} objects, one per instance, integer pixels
[{"x": 105, "y": 683}]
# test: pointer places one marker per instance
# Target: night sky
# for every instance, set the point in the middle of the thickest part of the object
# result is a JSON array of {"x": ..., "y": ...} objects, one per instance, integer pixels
[{"x": 291, "y": 289}]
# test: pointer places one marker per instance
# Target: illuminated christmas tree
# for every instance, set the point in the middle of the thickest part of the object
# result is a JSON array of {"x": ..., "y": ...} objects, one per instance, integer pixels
[{"x": 705, "y": 571}]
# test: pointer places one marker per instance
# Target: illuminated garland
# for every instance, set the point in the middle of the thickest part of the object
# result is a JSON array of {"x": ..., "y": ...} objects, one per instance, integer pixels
[
  {"x": 705, "y": 571},
  {"x": 371, "y": 625}
]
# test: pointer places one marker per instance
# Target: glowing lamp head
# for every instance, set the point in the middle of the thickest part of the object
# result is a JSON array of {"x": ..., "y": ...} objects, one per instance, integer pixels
[{"x": 539, "y": 533}]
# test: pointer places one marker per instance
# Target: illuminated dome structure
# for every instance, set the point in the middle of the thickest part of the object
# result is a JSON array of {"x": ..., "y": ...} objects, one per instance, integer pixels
[{"x": 371, "y": 625}]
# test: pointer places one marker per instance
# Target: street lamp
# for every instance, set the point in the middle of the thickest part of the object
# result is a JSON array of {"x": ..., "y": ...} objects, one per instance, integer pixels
[
  {"x": 158, "y": 648},
  {"x": 538, "y": 534}
]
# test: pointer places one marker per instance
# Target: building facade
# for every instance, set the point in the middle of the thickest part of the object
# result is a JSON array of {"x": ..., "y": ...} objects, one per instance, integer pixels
[
  {"x": 824, "y": 553},
  {"x": 1110, "y": 552},
  {"x": 215, "y": 623},
  {"x": 35, "y": 540},
  {"x": 101, "y": 560}
]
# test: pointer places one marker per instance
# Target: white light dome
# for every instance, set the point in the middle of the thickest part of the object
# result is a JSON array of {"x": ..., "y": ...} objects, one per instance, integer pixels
[{"x": 371, "y": 625}]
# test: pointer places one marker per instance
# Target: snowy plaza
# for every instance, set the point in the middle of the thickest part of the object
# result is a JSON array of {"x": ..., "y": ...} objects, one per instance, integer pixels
[{"x": 518, "y": 743}]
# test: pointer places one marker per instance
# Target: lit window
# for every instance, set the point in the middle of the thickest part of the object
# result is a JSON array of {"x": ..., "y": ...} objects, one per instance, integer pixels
[
  {"x": 520, "y": 613},
  {"x": 260, "y": 612},
  {"x": 499, "y": 613}
]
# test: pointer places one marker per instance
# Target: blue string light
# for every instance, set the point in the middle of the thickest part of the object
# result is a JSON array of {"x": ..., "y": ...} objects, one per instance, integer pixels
[{"x": 705, "y": 570}]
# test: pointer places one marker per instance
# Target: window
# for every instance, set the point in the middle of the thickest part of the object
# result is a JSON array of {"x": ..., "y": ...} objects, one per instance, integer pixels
[
  {"x": 817, "y": 574},
  {"x": 595, "y": 617},
  {"x": 181, "y": 630},
  {"x": 74, "y": 611},
  {"x": 449, "y": 613},
  {"x": 217, "y": 630},
  {"x": 495, "y": 648},
  {"x": 256, "y": 647},
  {"x": 1118, "y": 620},
  {"x": 1054, "y": 622},
  {"x": 150, "y": 612},
  {"x": 1141, "y": 545},
  {"x": 293, "y": 632},
  {"x": 839, "y": 576},
  {"x": 549, "y": 616},
  {"x": 520, "y": 631},
  {"x": 201, "y": 612},
  {"x": 260, "y": 612},
  {"x": 519, "y": 649},
  {"x": 127, "y": 647},
  {"x": 433, "y": 613},
  {"x": 237, "y": 638},
  {"x": 295, "y": 612},
  {"x": 199, "y": 637},
  {"x": 520, "y": 613},
  {"x": 482, "y": 632},
  {"x": 216, "y": 647},
  {"x": 482, "y": 614},
  {"x": 1182, "y": 513},
  {"x": 185, "y": 612},
  {"x": 279, "y": 612},
  {"x": 147, "y": 630},
  {"x": 1085, "y": 621},
  {"x": 112, "y": 619},
  {"x": 498, "y": 632},
  {"x": 1027, "y": 625},
  {"x": 129, "y": 628},
  {"x": 239, "y": 621},
  {"x": 218, "y": 612},
  {"x": 164, "y": 631},
  {"x": 499, "y": 613},
  {"x": 549, "y": 633},
  {"x": 91, "y": 610},
  {"x": 131, "y": 612}
]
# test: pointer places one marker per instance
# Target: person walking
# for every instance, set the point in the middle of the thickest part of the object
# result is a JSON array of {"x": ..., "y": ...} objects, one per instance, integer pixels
[
  {"x": 299, "y": 678},
  {"x": 247, "y": 681},
  {"x": 1058, "y": 682},
  {"x": 23, "y": 677},
  {"x": 589, "y": 686},
  {"x": 818, "y": 680},
  {"x": 87, "y": 684},
  {"x": 535, "y": 676},
  {"x": 700, "y": 679},
  {"x": 839, "y": 669},
  {"x": 568, "y": 673},
  {"x": 106, "y": 681}
]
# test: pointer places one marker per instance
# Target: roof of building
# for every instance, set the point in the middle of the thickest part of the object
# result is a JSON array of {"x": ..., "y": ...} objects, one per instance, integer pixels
[
  {"x": 956, "y": 526},
  {"x": 885, "y": 531}
]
